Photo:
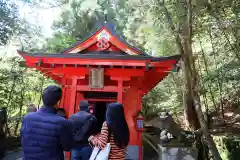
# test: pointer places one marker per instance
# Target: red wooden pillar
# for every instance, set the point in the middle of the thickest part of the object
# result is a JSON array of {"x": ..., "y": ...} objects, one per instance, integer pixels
[
  {"x": 120, "y": 87},
  {"x": 120, "y": 91},
  {"x": 73, "y": 96},
  {"x": 140, "y": 93},
  {"x": 79, "y": 96},
  {"x": 63, "y": 91},
  {"x": 72, "y": 101}
]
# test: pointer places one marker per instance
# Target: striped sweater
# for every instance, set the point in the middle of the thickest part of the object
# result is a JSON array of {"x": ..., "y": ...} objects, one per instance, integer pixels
[{"x": 101, "y": 141}]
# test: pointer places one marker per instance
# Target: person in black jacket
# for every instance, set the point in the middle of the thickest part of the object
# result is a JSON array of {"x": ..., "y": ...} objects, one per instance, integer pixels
[{"x": 84, "y": 124}]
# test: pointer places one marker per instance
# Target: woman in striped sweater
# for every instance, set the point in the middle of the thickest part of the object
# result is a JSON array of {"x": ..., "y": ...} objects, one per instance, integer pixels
[{"x": 114, "y": 131}]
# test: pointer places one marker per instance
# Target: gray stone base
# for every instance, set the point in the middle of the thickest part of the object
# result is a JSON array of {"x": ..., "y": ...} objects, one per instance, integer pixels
[
  {"x": 13, "y": 156},
  {"x": 132, "y": 153},
  {"x": 177, "y": 153}
]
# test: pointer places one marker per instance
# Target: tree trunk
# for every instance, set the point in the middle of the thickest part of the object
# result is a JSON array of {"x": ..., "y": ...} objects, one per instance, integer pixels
[
  {"x": 20, "y": 111},
  {"x": 204, "y": 129},
  {"x": 207, "y": 71},
  {"x": 204, "y": 97},
  {"x": 193, "y": 87},
  {"x": 220, "y": 77},
  {"x": 41, "y": 89},
  {"x": 191, "y": 96}
]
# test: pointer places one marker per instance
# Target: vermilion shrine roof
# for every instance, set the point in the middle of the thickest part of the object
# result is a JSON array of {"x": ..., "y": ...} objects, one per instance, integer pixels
[
  {"x": 107, "y": 50},
  {"x": 103, "y": 44},
  {"x": 107, "y": 32}
]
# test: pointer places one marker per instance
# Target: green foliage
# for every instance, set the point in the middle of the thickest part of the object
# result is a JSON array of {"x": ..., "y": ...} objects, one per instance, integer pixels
[
  {"x": 145, "y": 25},
  {"x": 20, "y": 86},
  {"x": 166, "y": 96},
  {"x": 30, "y": 36},
  {"x": 9, "y": 20},
  {"x": 145, "y": 29},
  {"x": 59, "y": 42},
  {"x": 79, "y": 19},
  {"x": 229, "y": 147}
]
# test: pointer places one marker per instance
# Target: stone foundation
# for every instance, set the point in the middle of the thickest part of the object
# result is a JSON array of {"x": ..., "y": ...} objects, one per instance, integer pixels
[
  {"x": 177, "y": 153},
  {"x": 132, "y": 153}
]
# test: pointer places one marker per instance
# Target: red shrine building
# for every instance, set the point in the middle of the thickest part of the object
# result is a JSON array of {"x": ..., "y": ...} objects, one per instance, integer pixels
[{"x": 102, "y": 69}]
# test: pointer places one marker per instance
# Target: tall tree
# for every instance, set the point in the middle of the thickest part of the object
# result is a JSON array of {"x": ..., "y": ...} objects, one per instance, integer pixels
[
  {"x": 9, "y": 20},
  {"x": 191, "y": 89}
]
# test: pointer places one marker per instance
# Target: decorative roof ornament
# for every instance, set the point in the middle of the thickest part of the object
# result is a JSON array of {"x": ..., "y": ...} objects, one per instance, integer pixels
[
  {"x": 128, "y": 51},
  {"x": 176, "y": 67},
  {"x": 105, "y": 16},
  {"x": 22, "y": 47},
  {"x": 103, "y": 34}
]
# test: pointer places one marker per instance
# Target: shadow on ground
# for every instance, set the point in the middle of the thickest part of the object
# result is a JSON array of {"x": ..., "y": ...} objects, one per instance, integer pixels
[{"x": 15, "y": 155}]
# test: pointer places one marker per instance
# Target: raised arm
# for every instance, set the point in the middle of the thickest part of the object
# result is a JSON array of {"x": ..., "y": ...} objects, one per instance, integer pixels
[
  {"x": 93, "y": 128},
  {"x": 100, "y": 140}
]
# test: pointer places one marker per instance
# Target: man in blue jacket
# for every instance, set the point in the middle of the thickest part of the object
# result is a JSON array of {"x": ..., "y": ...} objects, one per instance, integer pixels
[{"x": 44, "y": 134}]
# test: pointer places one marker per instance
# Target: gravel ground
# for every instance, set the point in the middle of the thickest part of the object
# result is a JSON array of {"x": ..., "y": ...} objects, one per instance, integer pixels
[{"x": 13, "y": 156}]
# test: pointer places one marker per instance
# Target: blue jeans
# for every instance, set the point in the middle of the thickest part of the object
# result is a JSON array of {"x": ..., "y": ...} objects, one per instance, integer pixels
[{"x": 81, "y": 152}]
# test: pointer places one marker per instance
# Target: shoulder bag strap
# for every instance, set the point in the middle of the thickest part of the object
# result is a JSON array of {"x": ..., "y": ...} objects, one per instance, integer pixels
[{"x": 83, "y": 130}]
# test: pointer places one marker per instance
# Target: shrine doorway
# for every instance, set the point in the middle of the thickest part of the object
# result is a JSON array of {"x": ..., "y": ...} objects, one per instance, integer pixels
[{"x": 100, "y": 113}]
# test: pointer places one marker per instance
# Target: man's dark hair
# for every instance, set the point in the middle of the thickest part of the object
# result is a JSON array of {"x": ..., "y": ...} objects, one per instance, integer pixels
[
  {"x": 51, "y": 95},
  {"x": 84, "y": 105}
]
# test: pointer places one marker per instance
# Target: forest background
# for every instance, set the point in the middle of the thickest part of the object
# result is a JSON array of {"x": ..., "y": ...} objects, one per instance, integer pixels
[{"x": 205, "y": 33}]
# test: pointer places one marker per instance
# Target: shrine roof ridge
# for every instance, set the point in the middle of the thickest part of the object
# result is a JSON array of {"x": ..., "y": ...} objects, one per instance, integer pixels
[
  {"x": 110, "y": 28},
  {"x": 101, "y": 56}
]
